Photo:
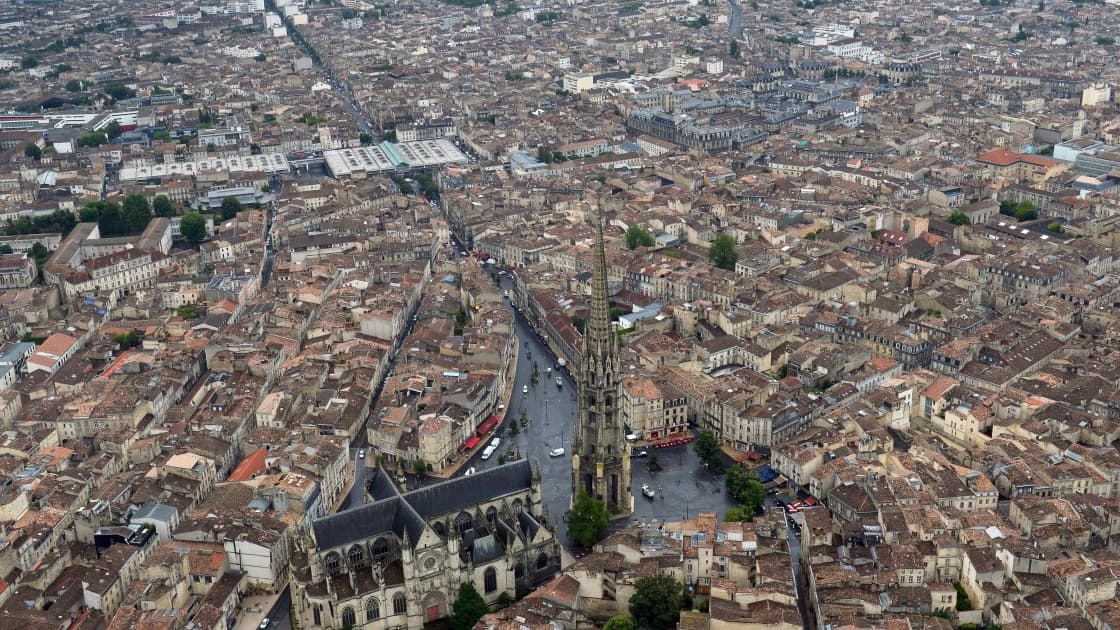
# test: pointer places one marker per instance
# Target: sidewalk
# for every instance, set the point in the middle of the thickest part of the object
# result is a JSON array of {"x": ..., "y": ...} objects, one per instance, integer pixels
[{"x": 253, "y": 610}]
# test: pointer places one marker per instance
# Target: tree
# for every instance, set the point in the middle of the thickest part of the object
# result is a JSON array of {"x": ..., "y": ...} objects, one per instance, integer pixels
[
  {"x": 746, "y": 488},
  {"x": 734, "y": 49},
  {"x": 419, "y": 467},
  {"x": 162, "y": 206},
  {"x": 587, "y": 520},
  {"x": 722, "y": 252},
  {"x": 136, "y": 212},
  {"x": 738, "y": 514},
  {"x": 39, "y": 253},
  {"x": 544, "y": 154},
  {"x": 1054, "y": 226},
  {"x": 193, "y": 227},
  {"x": 619, "y": 623},
  {"x": 708, "y": 450},
  {"x": 656, "y": 603},
  {"x": 5, "y": 249},
  {"x": 637, "y": 236},
  {"x": 469, "y": 607},
  {"x": 113, "y": 130},
  {"x": 29, "y": 62},
  {"x": 365, "y": 139},
  {"x": 74, "y": 85},
  {"x": 33, "y": 151},
  {"x": 128, "y": 340},
  {"x": 959, "y": 218},
  {"x": 230, "y": 207}
]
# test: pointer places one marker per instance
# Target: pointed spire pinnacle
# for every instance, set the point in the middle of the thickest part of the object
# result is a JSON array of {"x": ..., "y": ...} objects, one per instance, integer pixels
[{"x": 599, "y": 338}]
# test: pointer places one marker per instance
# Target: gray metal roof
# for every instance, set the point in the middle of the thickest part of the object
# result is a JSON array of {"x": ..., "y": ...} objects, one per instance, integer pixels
[
  {"x": 155, "y": 511},
  {"x": 455, "y": 495},
  {"x": 407, "y": 513}
]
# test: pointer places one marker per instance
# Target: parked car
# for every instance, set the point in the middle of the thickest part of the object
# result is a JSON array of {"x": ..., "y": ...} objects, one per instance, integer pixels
[
  {"x": 639, "y": 453},
  {"x": 361, "y": 453},
  {"x": 266, "y": 623},
  {"x": 524, "y": 389},
  {"x": 556, "y": 452},
  {"x": 470, "y": 471}
]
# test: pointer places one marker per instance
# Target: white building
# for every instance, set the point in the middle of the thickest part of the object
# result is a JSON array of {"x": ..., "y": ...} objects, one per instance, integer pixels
[{"x": 577, "y": 83}]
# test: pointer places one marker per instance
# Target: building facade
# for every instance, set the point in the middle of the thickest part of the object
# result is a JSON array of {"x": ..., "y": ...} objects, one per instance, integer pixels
[{"x": 399, "y": 561}]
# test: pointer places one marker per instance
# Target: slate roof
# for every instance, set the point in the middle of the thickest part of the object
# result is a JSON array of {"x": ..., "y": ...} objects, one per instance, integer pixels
[
  {"x": 455, "y": 495},
  {"x": 407, "y": 513}
]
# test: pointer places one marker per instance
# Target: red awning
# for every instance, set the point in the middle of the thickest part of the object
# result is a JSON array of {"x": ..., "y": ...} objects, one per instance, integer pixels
[
  {"x": 471, "y": 443},
  {"x": 488, "y": 424}
]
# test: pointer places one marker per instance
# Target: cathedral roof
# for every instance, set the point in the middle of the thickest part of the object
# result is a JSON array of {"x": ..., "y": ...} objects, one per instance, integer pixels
[
  {"x": 401, "y": 514},
  {"x": 463, "y": 493}
]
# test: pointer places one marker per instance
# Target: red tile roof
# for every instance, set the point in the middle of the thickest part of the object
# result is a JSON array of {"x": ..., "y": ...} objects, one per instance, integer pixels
[{"x": 250, "y": 466}]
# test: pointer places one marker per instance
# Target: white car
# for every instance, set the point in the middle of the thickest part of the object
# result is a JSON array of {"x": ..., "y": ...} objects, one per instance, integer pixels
[
  {"x": 556, "y": 452},
  {"x": 470, "y": 471},
  {"x": 524, "y": 389},
  {"x": 265, "y": 624},
  {"x": 487, "y": 452},
  {"x": 361, "y": 453}
]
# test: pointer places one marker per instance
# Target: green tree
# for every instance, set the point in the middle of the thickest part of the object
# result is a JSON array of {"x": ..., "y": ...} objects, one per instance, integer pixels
[
  {"x": 722, "y": 252},
  {"x": 738, "y": 514},
  {"x": 128, "y": 340},
  {"x": 113, "y": 130},
  {"x": 959, "y": 218},
  {"x": 708, "y": 450},
  {"x": 734, "y": 49},
  {"x": 469, "y": 607},
  {"x": 746, "y": 488},
  {"x": 93, "y": 139},
  {"x": 1055, "y": 227},
  {"x": 162, "y": 206},
  {"x": 578, "y": 323},
  {"x": 587, "y": 520},
  {"x": 1025, "y": 211},
  {"x": 5, "y": 249},
  {"x": 29, "y": 62},
  {"x": 73, "y": 85},
  {"x": 419, "y": 467},
  {"x": 656, "y": 603},
  {"x": 33, "y": 151},
  {"x": 39, "y": 253},
  {"x": 230, "y": 207},
  {"x": 620, "y": 622},
  {"x": 193, "y": 227},
  {"x": 964, "y": 604},
  {"x": 637, "y": 236},
  {"x": 365, "y": 139},
  {"x": 136, "y": 212},
  {"x": 544, "y": 154},
  {"x": 187, "y": 311}
]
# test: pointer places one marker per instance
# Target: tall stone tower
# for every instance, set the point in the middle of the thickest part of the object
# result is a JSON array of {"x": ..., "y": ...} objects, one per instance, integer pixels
[{"x": 600, "y": 457}]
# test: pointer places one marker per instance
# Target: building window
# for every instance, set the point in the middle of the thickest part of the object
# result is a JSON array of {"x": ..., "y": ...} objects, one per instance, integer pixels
[
  {"x": 348, "y": 619},
  {"x": 400, "y": 605},
  {"x": 380, "y": 548},
  {"x": 373, "y": 609},
  {"x": 542, "y": 561},
  {"x": 332, "y": 563},
  {"x": 355, "y": 556},
  {"x": 316, "y": 614},
  {"x": 463, "y": 522},
  {"x": 490, "y": 580}
]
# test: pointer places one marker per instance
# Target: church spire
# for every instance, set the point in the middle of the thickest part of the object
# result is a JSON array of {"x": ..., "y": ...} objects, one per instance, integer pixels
[{"x": 600, "y": 457}]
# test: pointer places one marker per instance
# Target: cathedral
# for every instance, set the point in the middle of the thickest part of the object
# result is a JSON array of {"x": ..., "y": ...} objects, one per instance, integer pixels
[
  {"x": 398, "y": 562},
  {"x": 600, "y": 454}
]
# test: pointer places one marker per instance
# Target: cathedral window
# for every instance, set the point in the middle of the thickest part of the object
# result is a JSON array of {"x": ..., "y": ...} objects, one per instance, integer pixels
[
  {"x": 400, "y": 605},
  {"x": 491, "y": 515},
  {"x": 542, "y": 561},
  {"x": 373, "y": 609},
  {"x": 380, "y": 548},
  {"x": 517, "y": 506},
  {"x": 463, "y": 522},
  {"x": 490, "y": 580},
  {"x": 348, "y": 618},
  {"x": 332, "y": 563},
  {"x": 355, "y": 556},
  {"x": 519, "y": 571}
]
